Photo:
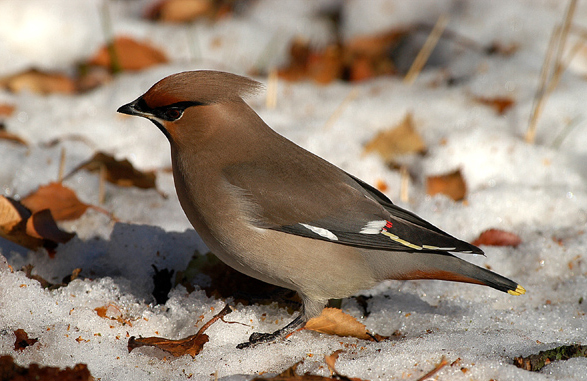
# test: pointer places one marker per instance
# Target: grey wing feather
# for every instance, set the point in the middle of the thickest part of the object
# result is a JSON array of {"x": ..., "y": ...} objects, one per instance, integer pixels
[{"x": 334, "y": 206}]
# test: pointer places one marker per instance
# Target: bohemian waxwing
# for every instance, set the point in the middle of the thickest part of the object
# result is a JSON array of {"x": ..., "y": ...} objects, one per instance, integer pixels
[{"x": 278, "y": 213}]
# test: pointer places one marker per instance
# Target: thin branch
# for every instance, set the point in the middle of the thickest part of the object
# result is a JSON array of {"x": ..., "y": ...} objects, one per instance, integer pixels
[{"x": 426, "y": 50}]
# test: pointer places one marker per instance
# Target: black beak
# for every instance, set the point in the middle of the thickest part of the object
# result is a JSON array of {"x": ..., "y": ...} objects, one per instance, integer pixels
[{"x": 129, "y": 108}]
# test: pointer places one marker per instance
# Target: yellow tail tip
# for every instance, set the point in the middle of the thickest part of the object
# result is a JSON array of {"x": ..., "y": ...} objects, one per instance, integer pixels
[{"x": 518, "y": 291}]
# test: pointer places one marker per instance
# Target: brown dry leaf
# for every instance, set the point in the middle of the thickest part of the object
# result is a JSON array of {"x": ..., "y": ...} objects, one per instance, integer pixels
[
  {"x": 119, "y": 172},
  {"x": 42, "y": 225},
  {"x": 497, "y": 237},
  {"x": 179, "y": 11},
  {"x": 323, "y": 67},
  {"x": 369, "y": 56},
  {"x": 28, "y": 272},
  {"x": 131, "y": 55},
  {"x": 400, "y": 140},
  {"x": 191, "y": 345},
  {"x": 6, "y": 109},
  {"x": 499, "y": 104},
  {"x": 112, "y": 312},
  {"x": 22, "y": 340},
  {"x": 331, "y": 360},
  {"x": 333, "y": 321},
  {"x": 13, "y": 371},
  {"x": 59, "y": 199},
  {"x": 452, "y": 185},
  {"x": 38, "y": 82},
  {"x": 11, "y": 213},
  {"x": 13, "y": 218}
]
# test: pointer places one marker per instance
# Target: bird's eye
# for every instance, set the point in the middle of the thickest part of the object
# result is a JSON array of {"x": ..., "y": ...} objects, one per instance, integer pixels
[{"x": 173, "y": 113}]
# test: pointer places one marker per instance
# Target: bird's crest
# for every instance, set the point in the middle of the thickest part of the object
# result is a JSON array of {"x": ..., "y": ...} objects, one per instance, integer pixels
[{"x": 204, "y": 86}]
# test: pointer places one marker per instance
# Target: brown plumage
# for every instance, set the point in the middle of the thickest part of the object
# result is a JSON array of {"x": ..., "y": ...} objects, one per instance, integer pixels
[{"x": 281, "y": 214}]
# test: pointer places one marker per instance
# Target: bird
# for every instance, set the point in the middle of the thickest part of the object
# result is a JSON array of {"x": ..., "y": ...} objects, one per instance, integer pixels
[{"x": 276, "y": 212}]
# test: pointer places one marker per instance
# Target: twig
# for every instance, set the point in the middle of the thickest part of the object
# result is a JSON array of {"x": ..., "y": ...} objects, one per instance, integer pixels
[
  {"x": 437, "y": 368},
  {"x": 426, "y": 50},
  {"x": 61, "y": 165},
  {"x": 341, "y": 107},
  {"x": 405, "y": 184},
  {"x": 558, "y": 141},
  {"x": 548, "y": 83},
  {"x": 225, "y": 311},
  {"x": 102, "y": 186},
  {"x": 271, "y": 100}
]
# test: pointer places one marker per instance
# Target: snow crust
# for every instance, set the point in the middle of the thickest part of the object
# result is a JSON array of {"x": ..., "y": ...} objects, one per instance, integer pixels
[{"x": 537, "y": 191}]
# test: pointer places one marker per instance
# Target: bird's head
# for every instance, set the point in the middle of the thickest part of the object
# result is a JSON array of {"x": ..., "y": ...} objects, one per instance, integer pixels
[{"x": 192, "y": 105}]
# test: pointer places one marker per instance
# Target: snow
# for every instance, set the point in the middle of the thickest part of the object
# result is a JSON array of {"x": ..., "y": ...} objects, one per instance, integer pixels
[{"x": 538, "y": 191}]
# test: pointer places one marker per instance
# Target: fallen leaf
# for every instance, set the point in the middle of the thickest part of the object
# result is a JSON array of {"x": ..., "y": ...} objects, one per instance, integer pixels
[
  {"x": 452, "y": 185},
  {"x": 179, "y": 11},
  {"x": 330, "y": 360},
  {"x": 38, "y": 82},
  {"x": 400, "y": 140},
  {"x": 191, "y": 345},
  {"x": 22, "y": 340},
  {"x": 42, "y": 225},
  {"x": 59, "y": 199},
  {"x": 323, "y": 67},
  {"x": 28, "y": 272},
  {"x": 13, "y": 219},
  {"x": 130, "y": 55},
  {"x": 333, "y": 321},
  {"x": 11, "y": 213},
  {"x": 32, "y": 231},
  {"x": 6, "y": 109},
  {"x": 113, "y": 312},
  {"x": 538, "y": 361},
  {"x": 500, "y": 104},
  {"x": 13, "y": 371},
  {"x": 369, "y": 56},
  {"x": 119, "y": 172},
  {"x": 497, "y": 237}
]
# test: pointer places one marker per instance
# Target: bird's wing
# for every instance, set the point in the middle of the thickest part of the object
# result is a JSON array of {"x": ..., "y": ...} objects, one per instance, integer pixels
[{"x": 326, "y": 203}]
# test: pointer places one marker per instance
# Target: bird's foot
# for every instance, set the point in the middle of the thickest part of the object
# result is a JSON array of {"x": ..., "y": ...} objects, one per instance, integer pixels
[{"x": 260, "y": 338}]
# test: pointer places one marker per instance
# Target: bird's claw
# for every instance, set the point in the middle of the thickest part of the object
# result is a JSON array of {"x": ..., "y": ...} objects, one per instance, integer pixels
[{"x": 258, "y": 338}]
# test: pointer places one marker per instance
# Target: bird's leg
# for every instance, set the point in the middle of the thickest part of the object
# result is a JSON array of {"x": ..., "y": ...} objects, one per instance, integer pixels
[{"x": 258, "y": 337}]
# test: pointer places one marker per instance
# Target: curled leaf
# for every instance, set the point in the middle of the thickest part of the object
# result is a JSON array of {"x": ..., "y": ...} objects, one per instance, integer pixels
[
  {"x": 59, "y": 199},
  {"x": 42, "y": 225},
  {"x": 191, "y": 345},
  {"x": 178, "y": 11},
  {"x": 452, "y": 185},
  {"x": 22, "y": 340},
  {"x": 500, "y": 105},
  {"x": 401, "y": 140},
  {"x": 119, "y": 172},
  {"x": 38, "y": 82},
  {"x": 497, "y": 237},
  {"x": 333, "y": 321},
  {"x": 130, "y": 54}
]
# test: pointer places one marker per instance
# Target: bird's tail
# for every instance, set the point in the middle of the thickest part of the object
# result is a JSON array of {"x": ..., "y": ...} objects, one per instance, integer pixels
[{"x": 448, "y": 267}]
